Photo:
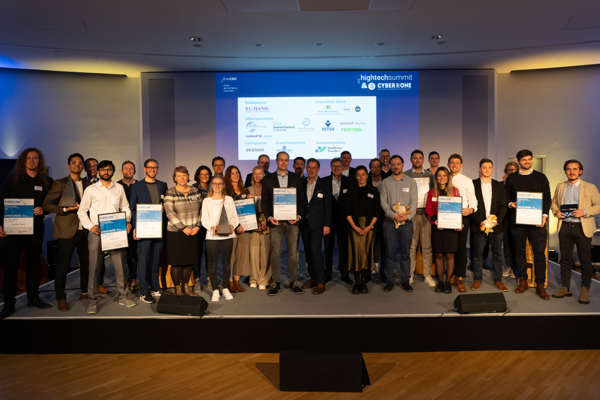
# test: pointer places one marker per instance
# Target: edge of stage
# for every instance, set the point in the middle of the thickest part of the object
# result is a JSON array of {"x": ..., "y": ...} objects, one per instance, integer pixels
[{"x": 335, "y": 321}]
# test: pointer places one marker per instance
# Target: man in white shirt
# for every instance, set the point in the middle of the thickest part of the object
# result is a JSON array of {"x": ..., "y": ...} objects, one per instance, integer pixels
[
  {"x": 100, "y": 198},
  {"x": 467, "y": 192}
]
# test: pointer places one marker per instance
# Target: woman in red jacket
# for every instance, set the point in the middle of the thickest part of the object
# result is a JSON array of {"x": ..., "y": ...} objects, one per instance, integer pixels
[{"x": 444, "y": 242}]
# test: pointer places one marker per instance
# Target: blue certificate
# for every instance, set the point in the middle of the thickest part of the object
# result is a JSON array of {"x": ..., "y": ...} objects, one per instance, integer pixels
[
  {"x": 449, "y": 212},
  {"x": 18, "y": 216},
  {"x": 284, "y": 204},
  {"x": 246, "y": 212},
  {"x": 529, "y": 208},
  {"x": 113, "y": 231},
  {"x": 148, "y": 223}
]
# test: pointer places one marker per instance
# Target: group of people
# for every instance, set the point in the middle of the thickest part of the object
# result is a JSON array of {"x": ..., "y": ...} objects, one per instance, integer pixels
[{"x": 369, "y": 212}]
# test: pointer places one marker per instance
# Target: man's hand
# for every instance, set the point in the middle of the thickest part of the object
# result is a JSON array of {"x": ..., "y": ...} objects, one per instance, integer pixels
[
  {"x": 72, "y": 208},
  {"x": 400, "y": 217},
  {"x": 95, "y": 230},
  {"x": 135, "y": 237},
  {"x": 512, "y": 205},
  {"x": 262, "y": 227},
  {"x": 2, "y": 234},
  {"x": 38, "y": 211},
  {"x": 129, "y": 227},
  {"x": 466, "y": 211},
  {"x": 326, "y": 230},
  {"x": 295, "y": 220},
  {"x": 559, "y": 215},
  {"x": 544, "y": 220},
  {"x": 274, "y": 221},
  {"x": 239, "y": 229},
  {"x": 578, "y": 214},
  {"x": 213, "y": 229}
]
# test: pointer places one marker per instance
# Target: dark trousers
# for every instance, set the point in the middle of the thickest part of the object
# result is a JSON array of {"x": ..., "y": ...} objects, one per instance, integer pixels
[
  {"x": 315, "y": 262},
  {"x": 149, "y": 251},
  {"x": 479, "y": 244},
  {"x": 131, "y": 258},
  {"x": 401, "y": 237},
  {"x": 379, "y": 248},
  {"x": 78, "y": 242},
  {"x": 13, "y": 247},
  {"x": 460, "y": 259},
  {"x": 509, "y": 244},
  {"x": 212, "y": 251},
  {"x": 537, "y": 238},
  {"x": 198, "y": 266},
  {"x": 338, "y": 231},
  {"x": 569, "y": 236}
]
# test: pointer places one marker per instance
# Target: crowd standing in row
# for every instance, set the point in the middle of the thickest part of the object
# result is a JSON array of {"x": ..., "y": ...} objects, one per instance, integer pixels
[{"x": 357, "y": 208}]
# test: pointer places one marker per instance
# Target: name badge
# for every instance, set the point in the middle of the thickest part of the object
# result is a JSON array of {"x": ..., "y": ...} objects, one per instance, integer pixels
[
  {"x": 405, "y": 189},
  {"x": 320, "y": 195},
  {"x": 162, "y": 196},
  {"x": 345, "y": 191},
  {"x": 434, "y": 199},
  {"x": 194, "y": 198},
  {"x": 243, "y": 196},
  {"x": 370, "y": 195},
  {"x": 38, "y": 188}
]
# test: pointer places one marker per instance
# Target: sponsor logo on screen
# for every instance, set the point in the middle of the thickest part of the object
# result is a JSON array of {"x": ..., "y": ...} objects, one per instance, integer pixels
[
  {"x": 346, "y": 123},
  {"x": 351, "y": 130},
  {"x": 251, "y": 126},
  {"x": 357, "y": 109},
  {"x": 328, "y": 128},
  {"x": 320, "y": 149},
  {"x": 306, "y": 122}
]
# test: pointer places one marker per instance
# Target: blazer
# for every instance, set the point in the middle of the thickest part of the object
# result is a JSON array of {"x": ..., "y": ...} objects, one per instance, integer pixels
[
  {"x": 271, "y": 182},
  {"x": 338, "y": 212},
  {"x": 66, "y": 224},
  {"x": 498, "y": 207},
  {"x": 373, "y": 204},
  {"x": 139, "y": 194},
  {"x": 589, "y": 200},
  {"x": 351, "y": 173},
  {"x": 317, "y": 212},
  {"x": 432, "y": 205}
]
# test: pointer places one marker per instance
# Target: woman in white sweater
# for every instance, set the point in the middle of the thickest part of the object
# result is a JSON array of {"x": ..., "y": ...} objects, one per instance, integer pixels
[{"x": 212, "y": 206}]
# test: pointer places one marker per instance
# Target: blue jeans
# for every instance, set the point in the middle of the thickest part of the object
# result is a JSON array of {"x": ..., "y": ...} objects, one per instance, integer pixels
[
  {"x": 479, "y": 241},
  {"x": 401, "y": 236},
  {"x": 149, "y": 251}
]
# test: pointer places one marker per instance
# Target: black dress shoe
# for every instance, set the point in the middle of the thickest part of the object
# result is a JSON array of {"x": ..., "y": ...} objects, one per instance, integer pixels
[
  {"x": 36, "y": 302},
  {"x": 447, "y": 288},
  {"x": 388, "y": 287},
  {"x": 363, "y": 288},
  {"x": 247, "y": 281},
  {"x": 7, "y": 311},
  {"x": 295, "y": 288},
  {"x": 328, "y": 278},
  {"x": 347, "y": 280},
  {"x": 356, "y": 288},
  {"x": 406, "y": 286},
  {"x": 439, "y": 288},
  {"x": 275, "y": 289}
]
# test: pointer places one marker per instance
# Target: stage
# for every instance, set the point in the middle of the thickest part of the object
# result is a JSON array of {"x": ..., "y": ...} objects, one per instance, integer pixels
[{"x": 336, "y": 320}]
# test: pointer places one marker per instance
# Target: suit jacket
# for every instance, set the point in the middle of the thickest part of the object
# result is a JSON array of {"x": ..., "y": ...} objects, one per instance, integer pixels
[
  {"x": 139, "y": 194},
  {"x": 351, "y": 205},
  {"x": 589, "y": 200},
  {"x": 498, "y": 207},
  {"x": 317, "y": 212},
  {"x": 351, "y": 173},
  {"x": 337, "y": 206},
  {"x": 66, "y": 224},
  {"x": 271, "y": 182}
]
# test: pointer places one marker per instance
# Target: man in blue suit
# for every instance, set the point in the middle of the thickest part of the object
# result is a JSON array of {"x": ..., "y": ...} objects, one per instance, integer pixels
[
  {"x": 148, "y": 191},
  {"x": 315, "y": 223}
]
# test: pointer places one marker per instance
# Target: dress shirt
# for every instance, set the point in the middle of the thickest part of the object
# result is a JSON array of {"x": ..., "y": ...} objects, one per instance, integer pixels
[
  {"x": 79, "y": 188},
  {"x": 403, "y": 191},
  {"x": 466, "y": 189},
  {"x": 310, "y": 188},
  {"x": 346, "y": 172},
  {"x": 377, "y": 184},
  {"x": 98, "y": 199},
  {"x": 571, "y": 196},
  {"x": 486, "y": 192},
  {"x": 336, "y": 186},
  {"x": 283, "y": 179}
]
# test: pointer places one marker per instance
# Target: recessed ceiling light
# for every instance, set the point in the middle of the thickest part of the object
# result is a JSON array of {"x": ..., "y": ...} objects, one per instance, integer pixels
[
  {"x": 259, "y": 45},
  {"x": 441, "y": 42},
  {"x": 195, "y": 39},
  {"x": 380, "y": 44},
  {"x": 319, "y": 44},
  {"x": 434, "y": 37}
]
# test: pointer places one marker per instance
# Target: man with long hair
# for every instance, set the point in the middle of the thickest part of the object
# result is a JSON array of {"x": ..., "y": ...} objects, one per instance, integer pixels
[{"x": 28, "y": 180}]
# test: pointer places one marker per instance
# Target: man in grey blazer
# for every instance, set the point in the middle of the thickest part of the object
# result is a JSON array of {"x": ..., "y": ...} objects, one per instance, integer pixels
[{"x": 575, "y": 203}]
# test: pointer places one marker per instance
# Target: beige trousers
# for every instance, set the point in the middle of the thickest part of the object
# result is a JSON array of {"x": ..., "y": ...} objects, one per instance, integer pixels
[{"x": 422, "y": 233}]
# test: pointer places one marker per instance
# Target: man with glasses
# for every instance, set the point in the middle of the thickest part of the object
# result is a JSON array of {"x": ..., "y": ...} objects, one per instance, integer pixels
[
  {"x": 100, "y": 198},
  {"x": 347, "y": 170},
  {"x": 91, "y": 170},
  {"x": 384, "y": 157},
  {"x": 218, "y": 164},
  {"x": 68, "y": 231},
  {"x": 148, "y": 191}
]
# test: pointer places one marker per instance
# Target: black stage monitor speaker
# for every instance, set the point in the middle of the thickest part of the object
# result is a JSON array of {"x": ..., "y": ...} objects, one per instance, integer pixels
[
  {"x": 480, "y": 303},
  {"x": 301, "y": 371},
  {"x": 182, "y": 305}
]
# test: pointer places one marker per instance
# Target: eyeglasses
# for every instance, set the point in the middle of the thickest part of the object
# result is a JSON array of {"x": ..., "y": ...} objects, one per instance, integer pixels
[
  {"x": 105, "y": 170},
  {"x": 76, "y": 163}
]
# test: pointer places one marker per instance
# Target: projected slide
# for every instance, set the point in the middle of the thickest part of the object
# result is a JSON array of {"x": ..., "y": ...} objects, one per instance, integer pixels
[
  {"x": 320, "y": 127},
  {"x": 315, "y": 114}
]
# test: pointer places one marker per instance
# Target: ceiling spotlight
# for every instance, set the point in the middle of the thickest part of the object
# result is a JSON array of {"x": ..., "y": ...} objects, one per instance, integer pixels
[
  {"x": 319, "y": 44},
  {"x": 259, "y": 45},
  {"x": 195, "y": 39},
  {"x": 380, "y": 44},
  {"x": 441, "y": 43},
  {"x": 434, "y": 37}
]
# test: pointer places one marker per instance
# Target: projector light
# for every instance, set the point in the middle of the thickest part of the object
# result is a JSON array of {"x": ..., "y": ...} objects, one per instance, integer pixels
[
  {"x": 434, "y": 37},
  {"x": 319, "y": 44},
  {"x": 195, "y": 39}
]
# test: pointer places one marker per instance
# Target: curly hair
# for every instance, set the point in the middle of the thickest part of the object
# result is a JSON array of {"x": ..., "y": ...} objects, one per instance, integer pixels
[
  {"x": 229, "y": 190},
  {"x": 19, "y": 170}
]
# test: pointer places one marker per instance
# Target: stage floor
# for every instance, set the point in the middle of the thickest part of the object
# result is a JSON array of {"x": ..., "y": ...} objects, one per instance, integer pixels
[{"x": 336, "y": 302}]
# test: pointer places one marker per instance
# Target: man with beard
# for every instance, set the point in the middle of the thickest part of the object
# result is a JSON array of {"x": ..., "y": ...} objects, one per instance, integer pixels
[
  {"x": 299, "y": 166},
  {"x": 434, "y": 162},
  {"x": 131, "y": 254}
]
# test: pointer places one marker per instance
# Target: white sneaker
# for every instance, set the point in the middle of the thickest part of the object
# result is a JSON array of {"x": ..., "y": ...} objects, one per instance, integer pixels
[
  {"x": 92, "y": 308},
  {"x": 508, "y": 272},
  {"x": 410, "y": 281},
  {"x": 429, "y": 281},
  {"x": 262, "y": 287},
  {"x": 155, "y": 293},
  {"x": 227, "y": 295},
  {"x": 215, "y": 296},
  {"x": 253, "y": 285},
  {"x": 126, "y": 302}
]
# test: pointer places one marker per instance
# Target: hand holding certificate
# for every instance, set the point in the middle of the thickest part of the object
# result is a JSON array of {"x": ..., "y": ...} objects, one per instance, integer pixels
[
  {"x": 18, "y": 216},
  {"x": 529, "y": 208},
  {"x": 113, "y": 231},
  {"x": 246, "y": 214},
  {"x": 148, "y": 221},
  {"x": 284, "y": 204},
  {"x": 449, "y": 212}
]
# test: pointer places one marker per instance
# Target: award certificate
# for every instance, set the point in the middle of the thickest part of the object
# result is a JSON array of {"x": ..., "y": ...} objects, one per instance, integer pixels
[
  {"x": 18, "y": 216},
  {"x": 148, "y": 222},
  {"x": 284, "y": 204},
  {"x": 113, "y": 231},
  {"x": 246, "y": 213},
  {"x": 529, "y": 208},
  {"x": 449, "y": 212},
  {"x": 423, "y": 186}
]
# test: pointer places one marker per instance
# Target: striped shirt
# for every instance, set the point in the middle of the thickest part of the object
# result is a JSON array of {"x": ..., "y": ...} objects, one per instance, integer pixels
[{"x": 183, "y": 211}]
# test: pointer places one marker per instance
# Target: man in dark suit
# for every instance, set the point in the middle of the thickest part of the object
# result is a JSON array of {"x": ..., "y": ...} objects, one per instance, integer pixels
[
  {"x": 68, "y": 231},
  {"x": 148, "y": 191},
  {"x": 263, "y": 161},
  {"x": 339, "y": 185},
  {"x": 491, "y": 200},
  {"x": 316, "y": 223},
  {"x": 283, "y": 178},
  {"x": 347, "y": 170}
]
